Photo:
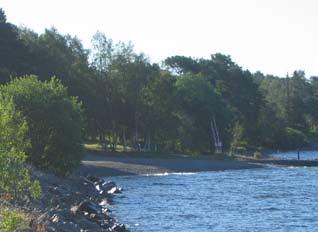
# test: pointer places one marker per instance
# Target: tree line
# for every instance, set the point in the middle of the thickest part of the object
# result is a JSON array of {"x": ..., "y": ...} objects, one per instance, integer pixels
[{"x": 167, "y": 107}]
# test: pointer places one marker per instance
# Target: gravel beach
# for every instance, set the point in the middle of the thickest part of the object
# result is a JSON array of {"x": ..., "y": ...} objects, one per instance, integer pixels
[{"x": 124, "y": 165}]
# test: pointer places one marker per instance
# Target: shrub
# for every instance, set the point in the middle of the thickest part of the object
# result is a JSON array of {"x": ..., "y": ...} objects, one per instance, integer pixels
[
  {"x": 12, "y": 221},
  {"x": 54, "y": 121},
  {"x": 14, "y": 177},
  {"x": 257, "y": 155},
  {"x": 239, "y": 142}
]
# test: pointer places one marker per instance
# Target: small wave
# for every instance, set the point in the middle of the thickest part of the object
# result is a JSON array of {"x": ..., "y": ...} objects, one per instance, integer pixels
[
  {"x": 297, "y": 167},
  {"x": 157, "y": 174},
  {"x": 189, "y": 216},
  {"x": 166, "y": 184},
  {"x": 171, "y": 173},
  {"x": 183, "y": 173},
  {"x": 271, "y": 209}
]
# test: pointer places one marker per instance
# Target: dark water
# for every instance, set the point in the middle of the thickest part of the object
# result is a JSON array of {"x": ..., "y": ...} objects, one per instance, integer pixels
[
  {"x": 266, "y": 199},
  {"x": 304, "y": 155}
]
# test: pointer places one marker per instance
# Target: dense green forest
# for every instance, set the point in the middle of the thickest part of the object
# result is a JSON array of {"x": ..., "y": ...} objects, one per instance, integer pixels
[{"x": 125, "y": 99}]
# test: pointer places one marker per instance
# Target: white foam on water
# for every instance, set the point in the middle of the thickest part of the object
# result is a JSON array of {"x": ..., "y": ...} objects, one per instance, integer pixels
[
  {"x": 183, "y": 173},
  {"x": 171, "y": 173}
]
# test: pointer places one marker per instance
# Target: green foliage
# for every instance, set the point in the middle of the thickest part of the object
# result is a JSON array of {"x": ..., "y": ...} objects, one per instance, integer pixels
[
  {"x": 197, "y": 103},
  {"x": 15, "y": 179},
  {"x": 295, "y": 139},
  {"x": 35, "y": 189},
  {"x": 14, "y": 176},
  {"x": 182, "y": 65},
  {"x": 11, "y": 221},
  {"x": 257, "y": 155},
  {"x": 239, "y": 143},
  {"x": 128, "y": 100},
  {"x": 289, "y": 116},
  {"x": 3, "y": 17},
  {"x": 54, "y": 121},
  {"x": 271, "y": 128}
]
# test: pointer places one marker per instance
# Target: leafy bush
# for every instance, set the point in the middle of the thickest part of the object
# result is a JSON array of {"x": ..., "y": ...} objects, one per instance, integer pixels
[
  {"x": 239, "y": 142},
  {"x": 15, "y": 180},
  {"x": 54, "y": 122},
  {"x": 14, "y": 177},
  {"x": 257, "y": 155},
  {"x": 12, "y": 221}
]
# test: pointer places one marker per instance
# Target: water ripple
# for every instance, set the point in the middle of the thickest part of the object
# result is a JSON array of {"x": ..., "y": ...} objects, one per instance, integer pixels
[{"x": 268, "y": 199}]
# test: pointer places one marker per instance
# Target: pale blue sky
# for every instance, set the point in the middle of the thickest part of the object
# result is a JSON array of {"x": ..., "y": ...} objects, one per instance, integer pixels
[{"x": 273, "y": 36}]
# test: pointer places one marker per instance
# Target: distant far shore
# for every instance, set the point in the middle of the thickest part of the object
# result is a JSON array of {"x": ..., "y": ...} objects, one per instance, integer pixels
[{"x": 124, "y": 165}]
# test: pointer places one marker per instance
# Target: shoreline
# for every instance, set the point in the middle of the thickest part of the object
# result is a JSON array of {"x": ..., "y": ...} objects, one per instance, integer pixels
[
  {"x": 110, "y": 165},
  {"x": 83, "y": 200},
  {"x": 74, "y": 203}
]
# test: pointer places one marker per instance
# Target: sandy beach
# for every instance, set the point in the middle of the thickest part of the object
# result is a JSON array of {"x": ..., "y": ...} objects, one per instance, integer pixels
[{"x": 123, "y": 165}]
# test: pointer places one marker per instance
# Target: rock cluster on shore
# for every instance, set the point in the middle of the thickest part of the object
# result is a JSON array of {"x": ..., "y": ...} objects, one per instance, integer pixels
[{"x": 74, "y": 204}]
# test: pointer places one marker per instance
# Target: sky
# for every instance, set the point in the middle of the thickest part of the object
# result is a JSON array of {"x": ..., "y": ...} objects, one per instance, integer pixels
[{"x": 272, "y": 36}]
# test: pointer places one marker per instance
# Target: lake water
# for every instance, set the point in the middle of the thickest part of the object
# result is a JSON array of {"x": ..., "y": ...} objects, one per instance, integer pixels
[
  {"x": 304, "y": 155},
  {"x": 265, "y": 199}
]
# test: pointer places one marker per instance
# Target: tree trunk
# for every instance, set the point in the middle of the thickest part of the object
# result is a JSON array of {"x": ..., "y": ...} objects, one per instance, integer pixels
[
  {"x": 149, "y": 143},
  {"x": 136, "y": 142},
  {"x": 125, "y": 140},
  {"x": 116, "y": 142}
]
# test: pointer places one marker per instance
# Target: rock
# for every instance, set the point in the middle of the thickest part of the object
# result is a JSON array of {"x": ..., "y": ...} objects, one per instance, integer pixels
[
  {"x": 55, "y": 218},
  {"x": 47, "y": 229},
  {"x": 89, "y": 207},
  {"x": 104, "y": 203},
  {"x": 119, "y": 228},
  {"x": 93, "y": 216},
  {"x": 106, "y": 210},
  {"x": 95, "y": 180},
  {"x": 92, "y": 178},
  {"x": 74, "y": 204},
  {"x": 109, "y": 185},
  {"x": 114, "y": 190},
  {"x": 98, "y": 188},
  {"x": 119, "y": 190},
  {"x": 26, "y": 200},
  {"x": 106, "y": 225},
  {"x": 87, "y": 225},
  {"x": 96, "y": 218},
  {"x": 54, "y": 190},
  {"x": 68, "y": 226},
  {"x": 74, "y": 209}
]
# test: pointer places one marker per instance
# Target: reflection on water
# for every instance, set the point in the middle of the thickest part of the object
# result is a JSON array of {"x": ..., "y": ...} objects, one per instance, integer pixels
[{"x": 268, "y": 199}]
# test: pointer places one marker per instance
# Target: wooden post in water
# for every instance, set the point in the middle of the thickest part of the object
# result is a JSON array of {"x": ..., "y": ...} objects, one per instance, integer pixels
[{"x": 298, "y": 155}]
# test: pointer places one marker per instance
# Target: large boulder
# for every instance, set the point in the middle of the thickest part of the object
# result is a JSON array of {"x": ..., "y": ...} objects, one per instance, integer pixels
[
  {"x": 119, "y": 228},
  {"x": 89, "y": 207}
]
